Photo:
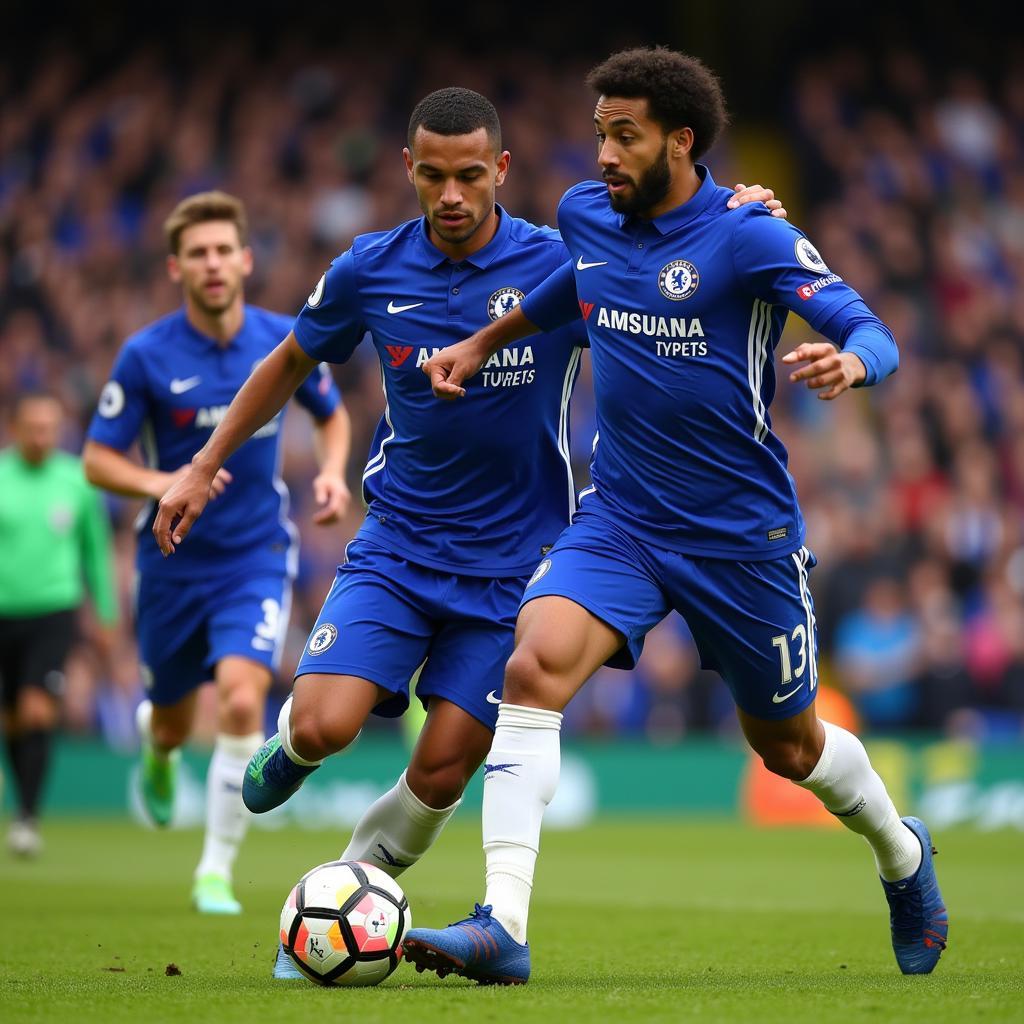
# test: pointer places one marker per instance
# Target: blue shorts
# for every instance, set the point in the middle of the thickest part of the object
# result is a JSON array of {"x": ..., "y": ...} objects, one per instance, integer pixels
[
  {"x": 753, "y": 622},
  {"x": 184, "y": 629},
  {"x": 385, "y": 616}
]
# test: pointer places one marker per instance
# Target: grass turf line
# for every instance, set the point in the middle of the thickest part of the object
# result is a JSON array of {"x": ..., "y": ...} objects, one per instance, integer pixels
[{"x": 633, "y": 920}]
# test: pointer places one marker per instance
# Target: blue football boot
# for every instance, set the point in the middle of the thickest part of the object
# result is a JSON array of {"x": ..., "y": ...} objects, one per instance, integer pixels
[
  {"x": 917, "y": 914},
  {"x": 478, "y": 948},
  {"x": 284, "y": 966},
  {"x": 271, "y": 776}
]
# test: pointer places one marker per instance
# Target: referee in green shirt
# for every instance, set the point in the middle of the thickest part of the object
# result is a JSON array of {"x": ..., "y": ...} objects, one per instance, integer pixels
[{"x": 53, "y": 532}]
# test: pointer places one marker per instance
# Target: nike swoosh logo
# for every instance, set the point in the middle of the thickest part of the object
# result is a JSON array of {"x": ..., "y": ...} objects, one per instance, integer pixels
[
  {"x": 580, "y": 265},
  {"x": 179, "y": 386},
  {"x": 776, "y": 699},
  {"x": 493, "y": 698},
  {"x": 392, "y": 308}
]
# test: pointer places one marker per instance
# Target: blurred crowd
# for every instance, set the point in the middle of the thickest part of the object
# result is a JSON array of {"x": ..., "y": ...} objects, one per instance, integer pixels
[{"x": 910, "y": 181}]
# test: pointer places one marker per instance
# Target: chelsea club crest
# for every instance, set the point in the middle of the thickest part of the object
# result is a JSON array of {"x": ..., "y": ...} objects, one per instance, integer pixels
[
  {"x": 678, "y": 280},
  {"x": 503, "y": 301}
]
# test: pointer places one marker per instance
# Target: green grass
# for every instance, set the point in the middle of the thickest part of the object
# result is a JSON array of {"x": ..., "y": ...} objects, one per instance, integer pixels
[{"x": 632, "y": 921}]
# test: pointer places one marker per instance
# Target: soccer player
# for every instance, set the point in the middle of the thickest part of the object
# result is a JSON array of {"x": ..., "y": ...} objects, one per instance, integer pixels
[
  {"x": 221, "y": 610},
  {"x": 53, "y": 532},
  {"x": 463, "y": 501},
  {"x": 692, "y": 507}
]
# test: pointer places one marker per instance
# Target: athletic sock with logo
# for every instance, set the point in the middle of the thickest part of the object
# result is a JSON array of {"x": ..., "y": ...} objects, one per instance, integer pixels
[
  {"x": 520, "y": 778},
  {"x": 227, "y": 820},
  {"x": 849, "y": 787},
  {"x": 397, "y": 830}
]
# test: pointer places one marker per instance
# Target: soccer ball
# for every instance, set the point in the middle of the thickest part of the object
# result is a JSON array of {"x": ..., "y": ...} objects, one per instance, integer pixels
[{"x": 344, "y": 922}]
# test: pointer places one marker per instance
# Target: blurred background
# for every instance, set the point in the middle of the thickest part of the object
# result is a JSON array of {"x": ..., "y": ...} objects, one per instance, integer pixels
[{"x": 896, "y": 143}]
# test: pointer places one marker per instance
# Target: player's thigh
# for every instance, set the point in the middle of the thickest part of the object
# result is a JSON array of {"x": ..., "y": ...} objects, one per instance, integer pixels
[
  {"x": 475, "y": 633},
  {"x": 247, "y": 618},
  {"x": 170, "y": 627},
  {"x": 559, "y": 646},
  {"x": 328, "y": 709},
  {"x": 754, "y": 623},
  {"x": 591, "y": 601},
  {"x": 373, "y": 624}
]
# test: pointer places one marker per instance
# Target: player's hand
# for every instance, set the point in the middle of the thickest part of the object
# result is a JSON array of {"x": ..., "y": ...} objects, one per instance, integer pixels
[
  {"x": 165, "y": 481},
  {"x": 826, "y": 368},
  {"x": 451, "y": 366},
  {"x": 182, "y": 505},
  {"x": 332, "y": 495},
  {"x": 757, "y": 194}
]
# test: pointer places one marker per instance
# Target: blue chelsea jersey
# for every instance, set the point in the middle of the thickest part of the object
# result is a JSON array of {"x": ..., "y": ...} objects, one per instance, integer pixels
[
  {"x": 170, "y": 386},
  {"x": 684, "y": 313},
  {"x": 482, "y": 486}
]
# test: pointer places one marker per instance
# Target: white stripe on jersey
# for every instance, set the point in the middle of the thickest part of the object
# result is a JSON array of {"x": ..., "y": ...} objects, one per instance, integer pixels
[
  {"x": 376, "y": 464},
  {"x": 147, "y": 441},
  {"x": 800, "y": 558},
  {"x": 757, "y": 357},
  {"x": 563, "y": 423}
]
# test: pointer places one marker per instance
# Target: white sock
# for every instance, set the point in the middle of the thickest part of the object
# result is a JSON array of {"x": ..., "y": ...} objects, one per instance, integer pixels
[
  {"x": 284, "y": 730},
  {"x": 849, "y": 787},
  {"x": 144, "y": 724},
  {"x": 397, "y": 830},
  {"x": 520, "y": 780},
  {"x": 226, "y": 817}
]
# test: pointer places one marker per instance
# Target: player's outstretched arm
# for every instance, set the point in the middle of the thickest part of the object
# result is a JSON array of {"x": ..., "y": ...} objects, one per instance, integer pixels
[
  {"x": 457, "y": 363},
  {"x": 261, "y": 397}
]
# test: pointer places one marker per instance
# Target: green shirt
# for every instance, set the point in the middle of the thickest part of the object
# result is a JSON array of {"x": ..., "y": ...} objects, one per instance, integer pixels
[{"x": 53, "y": 531}]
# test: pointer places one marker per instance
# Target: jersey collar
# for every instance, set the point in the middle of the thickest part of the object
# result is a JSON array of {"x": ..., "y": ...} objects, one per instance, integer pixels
[
  {"x": 482, "y": 258},
  {"x": 680, "y": 215}
]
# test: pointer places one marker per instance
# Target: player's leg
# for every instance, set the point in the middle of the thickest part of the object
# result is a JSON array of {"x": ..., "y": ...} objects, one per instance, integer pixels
[
  {"x": 38, "y": 684},
  {"x": 242, "y": 686},
  {"x": 163, "y": 729},
  {"x": 593, "y": 596},
  {"x": 368, "y": 639},
  {"x": 460, "y": 683},
  {"x": 400, "y": 826},
  {"x": 755, "y": 621},
  {"x": 170, "y": 628}
]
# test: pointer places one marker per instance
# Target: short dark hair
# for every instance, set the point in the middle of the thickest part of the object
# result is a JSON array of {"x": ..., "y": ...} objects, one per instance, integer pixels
[
  {"x": 681, "y": 91},
  {"x": 200, "y": 208},
  {"x": 455, "y": 111}
]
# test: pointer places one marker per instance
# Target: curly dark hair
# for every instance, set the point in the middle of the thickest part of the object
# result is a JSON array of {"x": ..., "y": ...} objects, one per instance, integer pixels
[
  {"x": 681, "y": 91},
  {"x": 455, "y": 111}
]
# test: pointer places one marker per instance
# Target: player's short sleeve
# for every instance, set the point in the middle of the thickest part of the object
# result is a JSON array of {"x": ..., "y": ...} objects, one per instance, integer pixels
[
  {"x": 330, "y": 325},
  {"x": 318, "y": 394},
  {"x": 123, "y": 403},
  {"x": 778, "y": 264},
  {"x": 553, "y": 303}
]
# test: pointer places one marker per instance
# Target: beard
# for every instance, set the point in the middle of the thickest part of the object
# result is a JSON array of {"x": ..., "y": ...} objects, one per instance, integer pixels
[{"x": 651, "y": 189}]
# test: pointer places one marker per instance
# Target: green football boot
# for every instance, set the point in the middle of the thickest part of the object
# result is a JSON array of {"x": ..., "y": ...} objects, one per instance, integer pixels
[
  {"x": 211, "y": 894},
  {"x": 159, "y": 776}
]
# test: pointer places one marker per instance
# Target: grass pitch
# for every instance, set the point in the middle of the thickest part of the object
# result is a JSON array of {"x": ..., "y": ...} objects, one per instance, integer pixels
[{"x": 633, "y": 920}]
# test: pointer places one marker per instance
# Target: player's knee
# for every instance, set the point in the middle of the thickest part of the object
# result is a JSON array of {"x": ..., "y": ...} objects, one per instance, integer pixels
[
  {"x": 241, "y": 710},
  {"x": 37, "y": 711},
  {"x": 315, "y": 735},
  {"x": 790, "y": 759},
  {"x": 525, "y": 677}
]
